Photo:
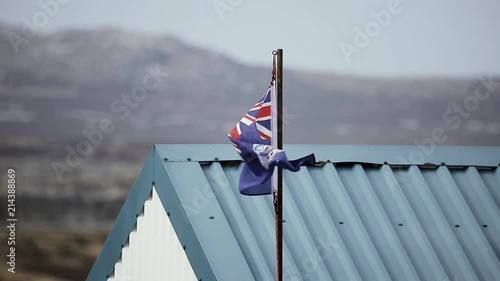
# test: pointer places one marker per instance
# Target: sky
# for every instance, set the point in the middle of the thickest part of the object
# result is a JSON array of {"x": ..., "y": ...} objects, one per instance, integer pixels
[{"x": 355, "y": 37}]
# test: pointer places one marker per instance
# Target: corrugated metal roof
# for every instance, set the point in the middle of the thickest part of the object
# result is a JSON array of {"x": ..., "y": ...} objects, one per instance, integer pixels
[{"x": 354, "y": 218}]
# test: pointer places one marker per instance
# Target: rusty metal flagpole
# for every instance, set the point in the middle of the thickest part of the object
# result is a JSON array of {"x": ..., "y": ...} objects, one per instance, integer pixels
[{"x": 278, "y": 175}]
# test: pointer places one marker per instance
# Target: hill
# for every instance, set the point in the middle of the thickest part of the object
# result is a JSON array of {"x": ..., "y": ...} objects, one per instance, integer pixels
[{"x": 64, "y": 82}]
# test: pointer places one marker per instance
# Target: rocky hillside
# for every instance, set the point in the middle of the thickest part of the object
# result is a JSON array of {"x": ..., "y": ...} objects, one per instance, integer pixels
[
  {"x": 65, "y": 87},
  {"x": 138, "y": 90},
  {"x": 64, "y": 82}
]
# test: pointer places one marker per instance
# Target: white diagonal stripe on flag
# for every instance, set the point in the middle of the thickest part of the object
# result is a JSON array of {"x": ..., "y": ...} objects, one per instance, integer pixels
[
  {"x": 245, "y": 120},
  {"x": 263, "y": 118},
  {"x": 238, "y": 128},
  {"x": 263, "y": 130}
]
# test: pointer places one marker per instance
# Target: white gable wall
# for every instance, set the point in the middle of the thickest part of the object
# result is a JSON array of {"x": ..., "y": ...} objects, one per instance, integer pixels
[{"x": 153, "y": 251}]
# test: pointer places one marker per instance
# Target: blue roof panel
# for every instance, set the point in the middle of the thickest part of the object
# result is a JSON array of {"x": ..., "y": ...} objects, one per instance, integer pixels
[{"x": 351, "y": 218}]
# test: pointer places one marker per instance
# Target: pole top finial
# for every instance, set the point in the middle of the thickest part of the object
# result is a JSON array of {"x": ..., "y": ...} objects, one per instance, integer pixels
[{"x": 273, "y": 77}]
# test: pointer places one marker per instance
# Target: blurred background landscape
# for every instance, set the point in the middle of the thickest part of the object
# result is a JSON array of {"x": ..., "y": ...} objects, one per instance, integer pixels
[{"x": 66, "y": 81}]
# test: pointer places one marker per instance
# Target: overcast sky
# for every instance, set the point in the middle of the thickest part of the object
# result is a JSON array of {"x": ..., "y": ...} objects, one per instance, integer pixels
[{"x": 421, "y": 37}]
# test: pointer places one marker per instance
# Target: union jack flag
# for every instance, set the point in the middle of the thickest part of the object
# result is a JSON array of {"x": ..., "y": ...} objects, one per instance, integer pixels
[
  {"x": 257, "y": 120},
  {"x": 251, "y": 137}
]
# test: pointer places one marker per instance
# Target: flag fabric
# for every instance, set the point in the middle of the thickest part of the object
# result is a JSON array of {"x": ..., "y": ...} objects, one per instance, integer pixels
[{"x": 251, "y": 137}]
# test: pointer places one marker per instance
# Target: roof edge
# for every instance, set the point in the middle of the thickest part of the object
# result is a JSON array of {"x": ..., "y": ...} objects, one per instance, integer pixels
[
  {"x": 117, "y": 238},
  {"x": 485, "y": 156}
]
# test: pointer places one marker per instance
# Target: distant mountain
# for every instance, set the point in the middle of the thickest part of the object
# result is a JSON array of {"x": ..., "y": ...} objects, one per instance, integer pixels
[
  {"x": 62, "y": 83},
  {"x": 65, "y": 87}
]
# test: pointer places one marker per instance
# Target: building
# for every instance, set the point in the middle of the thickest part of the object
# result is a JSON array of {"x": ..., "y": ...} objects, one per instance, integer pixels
[{"x": 363, "y": 213}]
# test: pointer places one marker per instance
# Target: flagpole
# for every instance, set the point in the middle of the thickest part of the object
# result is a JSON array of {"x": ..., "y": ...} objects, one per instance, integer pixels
[{"x": 278, "y": 217}]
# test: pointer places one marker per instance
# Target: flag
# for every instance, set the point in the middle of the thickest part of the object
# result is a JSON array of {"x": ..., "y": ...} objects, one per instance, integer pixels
[{"x": 251, "y": 137}]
